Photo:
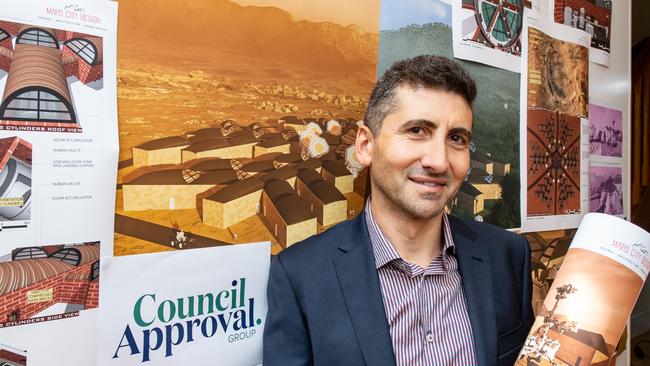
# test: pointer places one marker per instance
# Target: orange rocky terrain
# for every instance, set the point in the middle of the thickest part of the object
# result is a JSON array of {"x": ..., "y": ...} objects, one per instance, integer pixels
[{"x": 189, "y": 65}]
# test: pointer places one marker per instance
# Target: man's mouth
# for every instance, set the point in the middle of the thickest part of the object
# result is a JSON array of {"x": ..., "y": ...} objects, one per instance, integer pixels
[{"x": 429, "y": 182}]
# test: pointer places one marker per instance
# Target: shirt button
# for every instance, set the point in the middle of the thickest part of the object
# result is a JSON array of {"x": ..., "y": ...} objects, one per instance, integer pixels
[{"x": 429, "y": 337}]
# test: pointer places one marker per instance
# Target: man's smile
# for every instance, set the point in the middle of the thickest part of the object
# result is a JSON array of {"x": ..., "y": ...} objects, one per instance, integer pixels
[{"x": 429, "y": 183}]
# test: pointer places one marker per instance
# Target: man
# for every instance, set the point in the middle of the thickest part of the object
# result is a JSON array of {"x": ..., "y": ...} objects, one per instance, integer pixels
[{"x": 403, "y": 283}]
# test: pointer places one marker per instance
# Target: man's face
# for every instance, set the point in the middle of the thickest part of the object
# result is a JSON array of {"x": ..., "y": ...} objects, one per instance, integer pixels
[{"x": 420, "y": 156}]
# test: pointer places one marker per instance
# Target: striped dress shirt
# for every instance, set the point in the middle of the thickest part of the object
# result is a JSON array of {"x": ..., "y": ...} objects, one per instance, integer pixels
[{"x": 425, "y": 307}]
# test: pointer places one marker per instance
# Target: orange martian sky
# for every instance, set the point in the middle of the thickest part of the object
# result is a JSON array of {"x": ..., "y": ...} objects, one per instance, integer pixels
[
  {"x": 364, "y": 13},
  {"x": 606, "y": 292}
]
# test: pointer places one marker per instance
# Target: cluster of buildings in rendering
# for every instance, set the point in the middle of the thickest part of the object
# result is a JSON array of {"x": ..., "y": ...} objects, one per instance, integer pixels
[
  {"x": 483, "y": 182},
  {"x": 291, "y": 172}
]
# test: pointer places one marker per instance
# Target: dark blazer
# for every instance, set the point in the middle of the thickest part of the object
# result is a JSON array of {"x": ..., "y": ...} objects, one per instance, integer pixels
[{"x": 325, "y": 304}]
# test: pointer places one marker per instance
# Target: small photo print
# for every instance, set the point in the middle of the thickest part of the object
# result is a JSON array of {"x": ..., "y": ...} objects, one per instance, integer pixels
[
  {"x": 605, "y": 131},
  {"x": 606, "y": 190},
  {"x": 591, "y": 16},
  {"x": 52, "y": 282}
]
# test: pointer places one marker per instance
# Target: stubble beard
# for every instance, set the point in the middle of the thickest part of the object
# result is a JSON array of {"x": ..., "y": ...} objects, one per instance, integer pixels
[{"x": 396, "y": 196}]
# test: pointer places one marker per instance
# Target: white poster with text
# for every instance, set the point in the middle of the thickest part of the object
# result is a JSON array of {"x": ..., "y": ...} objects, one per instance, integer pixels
[
  {"x": 58, "y": 162},
  {"x": 194, "y": 307}
]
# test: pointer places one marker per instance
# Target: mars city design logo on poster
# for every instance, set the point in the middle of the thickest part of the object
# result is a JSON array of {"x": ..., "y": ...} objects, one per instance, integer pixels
[{"x": 74, "y": 13}]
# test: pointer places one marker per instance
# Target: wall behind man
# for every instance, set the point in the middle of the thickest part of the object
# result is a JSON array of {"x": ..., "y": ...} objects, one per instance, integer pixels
[
  {"x": 640, "y": 31},
  {"x": 640, "y": 24}
]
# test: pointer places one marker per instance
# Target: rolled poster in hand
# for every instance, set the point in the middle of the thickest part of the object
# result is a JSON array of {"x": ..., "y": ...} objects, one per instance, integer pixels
[{"x": 594, "y": 292}]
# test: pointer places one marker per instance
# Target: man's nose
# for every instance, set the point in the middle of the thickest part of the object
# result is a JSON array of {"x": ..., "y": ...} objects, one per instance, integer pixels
[{"x": 434, "y": 156}]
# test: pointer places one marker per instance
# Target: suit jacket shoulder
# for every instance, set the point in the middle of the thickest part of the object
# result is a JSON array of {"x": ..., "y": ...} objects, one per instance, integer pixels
[
  {"x": 325, "y": 304},
  {"x": 320, "y": 248},
  {"x": 500, "y": 243}
]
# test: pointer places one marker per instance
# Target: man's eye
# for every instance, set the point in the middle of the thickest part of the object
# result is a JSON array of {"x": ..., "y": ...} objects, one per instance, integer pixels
[
  {"x": 416, "y": 130},
  {"x": 458, "y": 139}
]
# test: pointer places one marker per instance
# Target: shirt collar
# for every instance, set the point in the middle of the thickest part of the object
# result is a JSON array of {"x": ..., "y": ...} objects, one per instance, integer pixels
[{"x": 385, "y": 252}]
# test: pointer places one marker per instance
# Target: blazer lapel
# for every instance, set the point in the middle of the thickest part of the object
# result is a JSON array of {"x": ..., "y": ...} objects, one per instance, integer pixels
[
  {"x": 359, "y": 282},
  {"x": 474, "y": 266}
]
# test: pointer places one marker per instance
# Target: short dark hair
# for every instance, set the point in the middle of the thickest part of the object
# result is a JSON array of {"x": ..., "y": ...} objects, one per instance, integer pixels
[{"x": 427, "y": 71}]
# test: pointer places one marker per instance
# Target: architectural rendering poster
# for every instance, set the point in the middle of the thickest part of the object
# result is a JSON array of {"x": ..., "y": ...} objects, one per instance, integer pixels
[
  {"x": 592, "y": 17},
  {"x": 58, "y": 154},
  {"x": 39, "y": 284},
  {"x": 246, "y": 132},
  {"x": 210, "y": 309},
  {"x": 554, "y": 150},
  {"x": 586, "y": 310},
  {"x": 491, "y": 191},
  {"x": 490, "y": 31}
]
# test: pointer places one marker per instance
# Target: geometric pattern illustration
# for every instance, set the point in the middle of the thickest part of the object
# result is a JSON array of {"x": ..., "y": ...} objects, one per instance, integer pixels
[{"x": 553, "y": 170}]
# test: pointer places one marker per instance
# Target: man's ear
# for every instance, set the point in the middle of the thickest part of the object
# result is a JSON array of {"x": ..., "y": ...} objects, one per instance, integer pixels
[{"x": 364, "y": 145}]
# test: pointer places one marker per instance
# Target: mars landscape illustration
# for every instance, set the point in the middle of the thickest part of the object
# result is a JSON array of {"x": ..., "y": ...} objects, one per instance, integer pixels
[{"x": 243, "y": 135}]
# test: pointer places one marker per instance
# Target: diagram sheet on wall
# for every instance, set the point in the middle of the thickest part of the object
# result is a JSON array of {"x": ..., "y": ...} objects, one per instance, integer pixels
[
  {"x": 58, "y": 154},
  {"x": 554, "y": 134},
  {"x": 490, "y": 32}
]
